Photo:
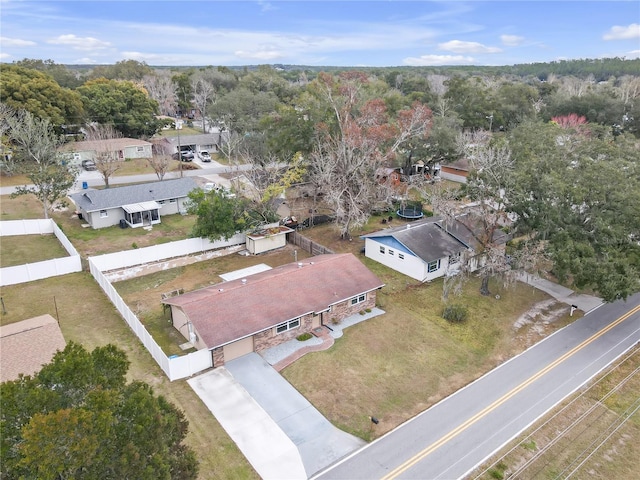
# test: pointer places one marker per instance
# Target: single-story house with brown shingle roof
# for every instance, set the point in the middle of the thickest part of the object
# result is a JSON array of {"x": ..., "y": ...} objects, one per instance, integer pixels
[
  {"x": 121, "y": 148},
  {"x": 26, "y": 346},
  {"x": 262, "y": 310},
  {"x": 457, "y": 171}
]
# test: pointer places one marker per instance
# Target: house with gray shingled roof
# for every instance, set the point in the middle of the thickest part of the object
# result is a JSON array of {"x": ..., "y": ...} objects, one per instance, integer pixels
[
  {"x": 429, "y": 249},
  {"x": 423, "y": 250},
  {"x": 136, "y": 205}
]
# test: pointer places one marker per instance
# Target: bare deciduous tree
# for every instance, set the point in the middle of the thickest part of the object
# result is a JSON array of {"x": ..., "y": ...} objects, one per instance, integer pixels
[
  {"x": 163, "y": 90},
  {"x": 106, "y": 145},
  {"x": 203, "y": 95},
  {"x": 346, "y": 159},
  {"x": 36, "y": 154}
]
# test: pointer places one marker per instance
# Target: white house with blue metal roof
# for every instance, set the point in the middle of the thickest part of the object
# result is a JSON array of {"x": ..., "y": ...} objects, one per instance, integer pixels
[
  {"x": 136, "y": 205},
  {"x": 421, "y": 250}
]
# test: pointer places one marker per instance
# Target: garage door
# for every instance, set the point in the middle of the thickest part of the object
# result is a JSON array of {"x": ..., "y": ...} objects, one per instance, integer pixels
[{"x": 237, "y": 349}]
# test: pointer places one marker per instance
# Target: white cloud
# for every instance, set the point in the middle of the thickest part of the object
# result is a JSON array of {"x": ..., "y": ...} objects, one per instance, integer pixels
[
  {"x": 85, "y": 61},
  {"x": 511, "y": 40},
  {"x": 459, "y": 46},
  {"x": 79, "y": 43},
  {"x": 633, "y": 54},
  {"x": 264, "y": 54},
  {"x": 4, "y": 55},
  {"x": 623, "y": 33},
  {"x": 426, "y": 60},
  {"x": 16, "y": 42}
]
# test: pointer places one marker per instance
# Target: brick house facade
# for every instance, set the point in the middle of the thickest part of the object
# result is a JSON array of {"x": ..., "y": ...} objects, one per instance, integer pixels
[{"x": 268, "y": 308}]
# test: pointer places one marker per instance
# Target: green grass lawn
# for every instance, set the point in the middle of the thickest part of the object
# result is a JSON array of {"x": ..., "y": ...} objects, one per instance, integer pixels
[
  {"x": 398, "y": 364},
  {"x": 21, "y": 249}
]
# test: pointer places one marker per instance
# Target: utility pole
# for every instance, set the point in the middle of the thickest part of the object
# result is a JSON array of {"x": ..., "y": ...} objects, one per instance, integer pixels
[{"x": 178, "y": 127}]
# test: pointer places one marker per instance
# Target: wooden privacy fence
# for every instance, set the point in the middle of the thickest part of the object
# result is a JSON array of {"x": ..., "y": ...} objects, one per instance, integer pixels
[{"x": 307, "y": 244}]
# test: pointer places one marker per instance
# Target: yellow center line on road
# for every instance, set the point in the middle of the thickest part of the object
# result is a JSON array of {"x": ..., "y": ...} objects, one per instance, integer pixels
[{"x": 456, "y": 431}]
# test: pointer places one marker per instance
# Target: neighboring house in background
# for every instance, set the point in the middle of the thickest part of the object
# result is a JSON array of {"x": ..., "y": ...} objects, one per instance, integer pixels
[
  {"x": 138, "y": 205},
  {"x": 26, "y": 346},
  {"x": 421, "y": 250},
  {"x": 456, "y": 172},
  {"x": 206, "y": 141},
  {"x": 122, "y": 148},
  {"x": 426, "y": 250},
  {"x": 392, "y": 176},
  {"x": 260, "y": 311}
]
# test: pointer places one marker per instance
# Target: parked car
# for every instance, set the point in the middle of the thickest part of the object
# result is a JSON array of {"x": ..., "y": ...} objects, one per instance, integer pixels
[
  {"x": 185, "y": 156},
  {"x": 204, "y": 156},
  {"x": 209, "y": 186},
  {"x": 89, "y": 165}
]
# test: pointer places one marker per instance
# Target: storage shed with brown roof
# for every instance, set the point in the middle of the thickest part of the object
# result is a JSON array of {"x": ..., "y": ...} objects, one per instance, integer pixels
[
  {"x": 262, "y": 310},
  {"x": 27, "y": 345}
]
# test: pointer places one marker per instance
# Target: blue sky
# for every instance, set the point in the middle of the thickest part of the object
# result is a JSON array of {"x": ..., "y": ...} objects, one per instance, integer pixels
[{"x": 324, "y": 33}]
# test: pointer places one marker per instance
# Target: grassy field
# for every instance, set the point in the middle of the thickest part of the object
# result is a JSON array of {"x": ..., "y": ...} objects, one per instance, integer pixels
[
  {"x": 392, "y": 366},
  {"x": 573, "y": 436},
  {"x": 143, "y": 294},
  {"x": 86, "y": 316},
  {"x": 21, "y": 249}
]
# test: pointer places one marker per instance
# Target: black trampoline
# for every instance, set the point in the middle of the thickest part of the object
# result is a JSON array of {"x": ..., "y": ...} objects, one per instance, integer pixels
[{"x": 410, "y": 213}]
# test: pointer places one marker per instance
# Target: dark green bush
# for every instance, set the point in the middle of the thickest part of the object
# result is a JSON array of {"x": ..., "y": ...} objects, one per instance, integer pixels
[
  {"x": 304, "y": 336},
  {"x": 455, "y": 313}
]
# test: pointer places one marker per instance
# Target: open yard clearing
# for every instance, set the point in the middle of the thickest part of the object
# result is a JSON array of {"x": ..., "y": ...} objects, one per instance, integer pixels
[
  {"x": 143, "y": 294},
  {"x": 398, "y": 364},
  {"x": 392, "y": 366},
  {"x": 86, "y": 316},
  {"x": 593, "y": 434},
  {"x": 21, "y": 249}
]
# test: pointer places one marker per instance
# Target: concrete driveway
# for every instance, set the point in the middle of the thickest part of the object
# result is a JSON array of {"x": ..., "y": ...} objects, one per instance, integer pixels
[{"x": 282, "y": 435}]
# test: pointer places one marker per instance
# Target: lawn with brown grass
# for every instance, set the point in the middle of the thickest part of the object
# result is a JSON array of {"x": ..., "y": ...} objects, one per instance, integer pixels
[
  {"x": 21, "y": 249},
  {"x": 398, "y": 364},
  {"x": 143, "y": 294},
  {"x": 86, "y": 316}
]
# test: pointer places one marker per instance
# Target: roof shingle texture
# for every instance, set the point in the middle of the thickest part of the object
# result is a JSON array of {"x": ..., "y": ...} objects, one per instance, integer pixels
[
  {"x": 93, "y": 200},
  {"x": 232, "y": 310},
  {"x": 427, "y": 239},
  {"x": 26, "y": 346}
]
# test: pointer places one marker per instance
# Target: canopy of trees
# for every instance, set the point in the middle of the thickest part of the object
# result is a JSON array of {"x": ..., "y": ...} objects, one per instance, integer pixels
[
  {"x": 78, "y": 418},
  {"x": 38, "y": 93},
  {"x": 123, "y": 104}
]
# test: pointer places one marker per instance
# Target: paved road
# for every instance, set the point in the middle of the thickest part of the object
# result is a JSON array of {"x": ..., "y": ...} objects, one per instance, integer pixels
[
  {"x": 93, "y": 179},
  {"x": 452, "y": 438}
]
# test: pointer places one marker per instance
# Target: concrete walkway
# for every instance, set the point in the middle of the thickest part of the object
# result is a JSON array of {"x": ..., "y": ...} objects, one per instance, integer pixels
[{"x": 586, "y": 303}]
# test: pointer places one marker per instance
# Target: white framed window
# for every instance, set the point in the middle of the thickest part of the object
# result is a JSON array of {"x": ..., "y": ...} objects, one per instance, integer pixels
[
  {"x": 139, "y": 149},
  {"x": 104, "y": 214},
  {"x": 381, "y": 249},
  {"x": 433, "y": 266},
  {"x": 161, "y": 202},
  {"x": 286, "y": 326},
  {"x": 358, "y": 299},
  {"x": 391, "y": 252},
  {"x": 401, "y": 256},
  {"x": 173, "y": 200}
]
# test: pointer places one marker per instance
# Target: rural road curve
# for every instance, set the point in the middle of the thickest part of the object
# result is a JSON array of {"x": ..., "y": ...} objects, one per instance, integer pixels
[{"x": 456, "y": 435}]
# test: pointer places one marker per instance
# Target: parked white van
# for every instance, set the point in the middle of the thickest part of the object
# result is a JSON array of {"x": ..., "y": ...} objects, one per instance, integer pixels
[{"x": 204, "y": 156}]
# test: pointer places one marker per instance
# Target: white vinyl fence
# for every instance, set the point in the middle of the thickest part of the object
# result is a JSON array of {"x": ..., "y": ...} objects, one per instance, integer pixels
[
  {"x": 175, "y": 367},
  {"x": 38, "y": 270}
]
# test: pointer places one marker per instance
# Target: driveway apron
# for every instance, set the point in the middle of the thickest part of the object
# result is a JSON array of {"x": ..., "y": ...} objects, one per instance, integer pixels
[{"x": 318, "y": 441}]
